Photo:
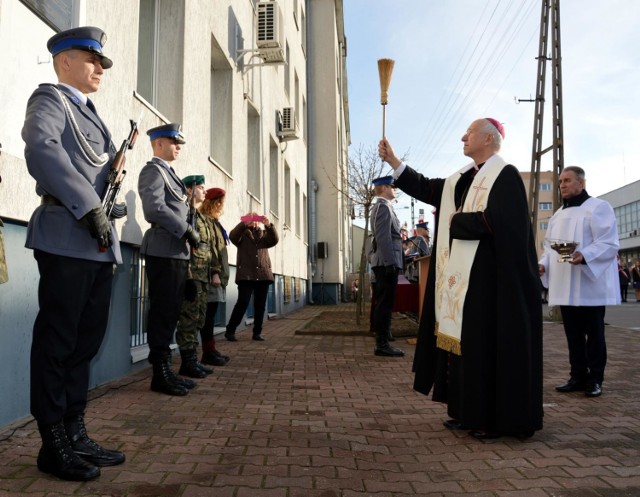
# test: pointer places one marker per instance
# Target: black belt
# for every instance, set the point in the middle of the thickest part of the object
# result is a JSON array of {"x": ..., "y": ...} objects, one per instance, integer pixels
[{"x": 50, "y": 200}]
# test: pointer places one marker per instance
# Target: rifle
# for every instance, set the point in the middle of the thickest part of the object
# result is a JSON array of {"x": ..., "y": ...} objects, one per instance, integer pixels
[{"x": 115, "y": 178}]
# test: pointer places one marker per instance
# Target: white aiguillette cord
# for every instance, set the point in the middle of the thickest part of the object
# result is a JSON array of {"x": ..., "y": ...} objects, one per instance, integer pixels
[{"x": 95, "y": 159}]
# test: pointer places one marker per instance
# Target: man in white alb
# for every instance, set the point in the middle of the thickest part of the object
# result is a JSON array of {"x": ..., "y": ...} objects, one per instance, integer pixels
[{"x": 583, "y": 287}]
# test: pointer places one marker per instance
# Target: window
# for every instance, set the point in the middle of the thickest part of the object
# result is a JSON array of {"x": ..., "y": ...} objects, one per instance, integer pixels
[
  {"x": 160, "y": 41},
  {"x": 287, "y": 65},
  {"x": 296, "y": 206},
  {"x": 305, "y": 235},
  {"x": 296, "y": 102},
  {"x": 254, "y": 169},
  {"x": 304, "y": 119},
  {"x": 545, "y": 187},
  {"x": 273, "y": 178},
  {"x": 147, "y": 50},
  {"x": 545, "y": 206},
  {"x": 286, "y": 294},
  {"x": 139, "y": 300},
  {"x": 221, "y": 110},
  {"x": 287, "y": 195},
  {"x": 544, "y": 225},
  {"x": 303, "y": 31},
  {"x": 59, "y": 15}
]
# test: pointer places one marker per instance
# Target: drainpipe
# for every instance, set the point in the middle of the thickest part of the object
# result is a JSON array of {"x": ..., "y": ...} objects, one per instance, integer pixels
[{"x": 313, "y": 238}]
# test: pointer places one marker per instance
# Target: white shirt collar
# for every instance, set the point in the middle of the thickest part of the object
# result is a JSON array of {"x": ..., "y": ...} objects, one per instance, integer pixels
[{"x": 83, "y": 98}]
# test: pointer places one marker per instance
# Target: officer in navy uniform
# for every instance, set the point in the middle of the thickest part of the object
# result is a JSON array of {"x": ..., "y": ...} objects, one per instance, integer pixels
[
  {"x": 166, "y": 247},
  {"x": 422, "y": 238},
  {"x": 386, "y": 259},
  {"x": 68, "y": 152}
]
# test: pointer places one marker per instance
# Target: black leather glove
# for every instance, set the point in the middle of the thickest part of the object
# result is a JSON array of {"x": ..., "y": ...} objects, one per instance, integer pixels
[
  {"x": 390, "y": 270},
  {"x": 192, "y": 236},
  {"x": 190, "y": 290},
  {"x": 99, "y": 227}
]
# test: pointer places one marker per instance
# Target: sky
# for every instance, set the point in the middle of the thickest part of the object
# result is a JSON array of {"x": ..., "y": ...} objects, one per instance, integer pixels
[{"x": 459, "y": 60}]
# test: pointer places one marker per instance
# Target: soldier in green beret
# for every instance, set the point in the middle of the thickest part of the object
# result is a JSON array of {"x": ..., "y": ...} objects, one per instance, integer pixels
[{"x": 199, "y": 274}]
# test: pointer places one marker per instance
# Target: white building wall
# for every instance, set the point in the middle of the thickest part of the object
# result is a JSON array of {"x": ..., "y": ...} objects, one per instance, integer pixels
[
  {"x": 329, "y": 137},
  {"x": 189, "y": 28}
]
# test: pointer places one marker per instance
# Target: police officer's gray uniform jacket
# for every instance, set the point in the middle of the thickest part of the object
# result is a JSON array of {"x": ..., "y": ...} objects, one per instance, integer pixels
[
  {"x": 63, "y": 171},
  {"x": 387, "y": 244},
  {"x": 164, "y": 203}
]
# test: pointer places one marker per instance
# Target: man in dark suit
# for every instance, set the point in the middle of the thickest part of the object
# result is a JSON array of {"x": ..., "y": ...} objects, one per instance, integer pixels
[
  {"x": 386, "y": 260},
  {"x": 68, "y": 152},
  {"x": 165, "y": 246}
]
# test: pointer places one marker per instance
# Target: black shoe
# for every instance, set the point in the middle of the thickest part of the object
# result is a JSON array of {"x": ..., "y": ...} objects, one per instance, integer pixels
[
  {"x": 231, "y": 337},
  {"x": 56, "y": 456},
  {"x": 218, "y": 354},
  {"x": 258, "y": 338},
  {"x": 388, "y": 351},
  {"x": 213, "y": 359},
  {"x": 571, "y": 386},
  {"x": 593, "y": 390},
  {"x": 484, "y": 435},
  {"x": 453, "y": 424},
  {"x": 89, "y": 449}
]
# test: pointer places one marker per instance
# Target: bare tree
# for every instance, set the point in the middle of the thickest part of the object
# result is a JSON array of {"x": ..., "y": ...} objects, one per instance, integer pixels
[{"x": 364, "y": 166}]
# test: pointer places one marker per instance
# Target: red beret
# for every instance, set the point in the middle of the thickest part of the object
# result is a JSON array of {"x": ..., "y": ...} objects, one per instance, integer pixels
[
  {"x": 214, "y": 193},
  {"x": 497, "y": 124}
]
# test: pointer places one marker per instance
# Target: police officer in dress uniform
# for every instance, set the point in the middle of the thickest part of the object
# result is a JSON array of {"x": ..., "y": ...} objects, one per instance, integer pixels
[
  {"x": 386, "y": 260},
  {"x": 422, "y": 238},
  {"x": 194, "y": 305},
  {"x": 166, "y": 247},
  {"x": 68, "y": 152}
]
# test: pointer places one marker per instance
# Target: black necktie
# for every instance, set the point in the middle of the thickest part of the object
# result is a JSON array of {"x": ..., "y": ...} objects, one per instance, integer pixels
[{"x": 92, "y": 107}]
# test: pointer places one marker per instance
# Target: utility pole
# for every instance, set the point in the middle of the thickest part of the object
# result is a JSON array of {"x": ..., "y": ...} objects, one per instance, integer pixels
[{"x": 549, "y": 19}]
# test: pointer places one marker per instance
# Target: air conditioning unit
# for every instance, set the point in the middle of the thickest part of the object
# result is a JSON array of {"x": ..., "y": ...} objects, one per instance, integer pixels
[
  {"x": 270, "y": 36},
  {"x": 288, "y": 124}
]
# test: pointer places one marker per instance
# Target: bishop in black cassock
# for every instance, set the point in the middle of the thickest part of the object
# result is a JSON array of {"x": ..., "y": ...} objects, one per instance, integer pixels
[{"x": 490, "y": 376}]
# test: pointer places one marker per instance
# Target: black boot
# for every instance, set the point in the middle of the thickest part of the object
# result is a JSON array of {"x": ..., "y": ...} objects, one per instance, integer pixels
[
  {"x": 57, "y": 457},
  {"x": 230, "y": 336},
  {"x": 164, "y": 379},
  {"x": 390, "y": 337},
  {"x": 384, "y": 349},
  {"x": 88, "y": 449},
  {"x": 214, "y": 358},
  {"x": 191, "y": 367}
]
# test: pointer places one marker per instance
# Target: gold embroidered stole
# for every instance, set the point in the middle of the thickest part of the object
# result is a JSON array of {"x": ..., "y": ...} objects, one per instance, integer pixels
[{"x": 454, "y": 267}]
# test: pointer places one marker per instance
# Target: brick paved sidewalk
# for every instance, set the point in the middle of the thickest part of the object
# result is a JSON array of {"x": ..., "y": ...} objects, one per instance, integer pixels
[{"x": 321, "y": 416}]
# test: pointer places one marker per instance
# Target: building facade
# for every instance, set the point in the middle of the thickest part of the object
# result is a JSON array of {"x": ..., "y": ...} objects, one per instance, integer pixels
[
  {"x": 626, "y": 206},
  {"x": 545, "y": 205},
  {"x": 329, "y": 139},
  {"x": 235, "y": 75}
]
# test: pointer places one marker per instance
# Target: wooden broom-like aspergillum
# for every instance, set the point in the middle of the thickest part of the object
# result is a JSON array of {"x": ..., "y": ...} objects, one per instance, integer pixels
[{"x": 385, "y": 68}]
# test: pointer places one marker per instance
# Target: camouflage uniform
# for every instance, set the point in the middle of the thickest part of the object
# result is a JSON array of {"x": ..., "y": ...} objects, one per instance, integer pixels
[{"x": 192, "y": 313}]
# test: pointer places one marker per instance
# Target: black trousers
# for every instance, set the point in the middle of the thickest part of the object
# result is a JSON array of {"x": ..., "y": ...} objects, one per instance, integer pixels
[
  {"x": 259, "y": 289},
  {"x": 166, "y": 292},
  {"x": 584, "y": 328},
  {"x": 385, "y": 295},
  {"x": 74, "y": 297}
]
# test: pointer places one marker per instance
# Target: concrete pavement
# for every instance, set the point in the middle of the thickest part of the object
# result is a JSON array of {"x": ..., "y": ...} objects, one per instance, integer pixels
[{"x": 321, "y": 416}]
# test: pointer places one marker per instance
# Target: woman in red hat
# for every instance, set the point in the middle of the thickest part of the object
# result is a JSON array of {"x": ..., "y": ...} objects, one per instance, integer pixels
[{"x": 212, "y": 208}]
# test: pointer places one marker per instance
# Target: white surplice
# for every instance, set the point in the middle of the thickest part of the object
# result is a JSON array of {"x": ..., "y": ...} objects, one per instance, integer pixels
[{"x": 593, "y": 226}]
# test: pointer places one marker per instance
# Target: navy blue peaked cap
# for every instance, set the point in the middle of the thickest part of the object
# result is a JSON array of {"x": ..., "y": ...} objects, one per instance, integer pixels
[
  {"x": 383, "y": 180},
  {"x": 171, "y": 130},
  {"x": 86, "y": 38}
]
